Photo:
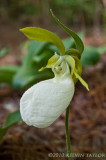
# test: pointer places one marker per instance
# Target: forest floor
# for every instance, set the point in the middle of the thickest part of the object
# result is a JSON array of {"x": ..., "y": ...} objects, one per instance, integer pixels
[{"x": 87, "y": 121}]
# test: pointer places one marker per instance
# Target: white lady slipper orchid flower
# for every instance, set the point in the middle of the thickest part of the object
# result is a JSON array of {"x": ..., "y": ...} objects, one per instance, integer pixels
[{"x": 44, "y": 102}]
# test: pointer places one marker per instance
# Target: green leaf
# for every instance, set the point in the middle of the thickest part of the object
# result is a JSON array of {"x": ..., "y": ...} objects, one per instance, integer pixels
[
  {"x": 28, "y": 74},
  {"x": 71, "y": 62},
  {"x": 78, "y": 68},
  {"x": 70, "y": 43},
  {"x": 78, "y": 65},
  {"x": 90, "y": 56},
  {"x": 73, "y": 52},
  {"x": 51, "y": 62},
  {"x": 11, "y": 120},
  {"x": 7, "y": 74},
  {"x": 23, "y": 78},
  {"x": 101, "y": 49},
  {"x": 29, "y": 77},
  {"x": 82, "y": 81},
  {"x": 42, "y": 58},
  {"x": 78, "y": 41},
  {"x": 3, "y": 52},
  {"x": 34, "y": 49},
  {"x": 40, "y": 34}
]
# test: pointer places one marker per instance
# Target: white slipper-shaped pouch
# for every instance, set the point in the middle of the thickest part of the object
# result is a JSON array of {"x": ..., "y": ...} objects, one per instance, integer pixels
[{"x": 44, "y": 102}]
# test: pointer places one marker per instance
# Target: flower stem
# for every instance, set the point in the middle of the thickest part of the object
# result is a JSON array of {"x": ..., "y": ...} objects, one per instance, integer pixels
[{"x": 67, "y": 134}]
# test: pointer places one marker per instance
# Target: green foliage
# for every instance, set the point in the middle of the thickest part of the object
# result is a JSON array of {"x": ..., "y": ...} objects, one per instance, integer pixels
[
  {"x": 7, "y": 74},
  {"x": 78, "y": 41},
  {"x": 11, "y": 120},
  {"x": 79, "y": 12},
  {"x": 76, "y": 12},
  {"x": 81, "y": 80},
  {"x": 16, "y": 9},
  {"x": 37, "y": 55},
  {"x": 30, "y": 9},
  {"x": 28, "y": 74},
  {"x": 3, "y": 52},
  {"x": 70, "y": 60},
  {"x": 51, "y": 62},
  {"x": 73, "y": 52},
  {"x": 101, "y": 49},
  {"x": 78, "y": 68},
  {"x": 90, "y": 56},
  {"x": 40, "y": 35},
  {"x": 70, "y": 43}
]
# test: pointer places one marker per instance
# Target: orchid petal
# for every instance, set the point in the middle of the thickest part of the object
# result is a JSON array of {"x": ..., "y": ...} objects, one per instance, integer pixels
[{"x": 44, "y": 102}]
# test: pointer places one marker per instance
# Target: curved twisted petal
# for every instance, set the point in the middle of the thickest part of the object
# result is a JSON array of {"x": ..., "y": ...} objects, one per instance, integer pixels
[{"x": 44, "y": 102}]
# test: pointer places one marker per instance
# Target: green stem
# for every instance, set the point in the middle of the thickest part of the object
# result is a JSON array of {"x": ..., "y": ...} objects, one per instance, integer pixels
[{"x": 67, "y": 134}]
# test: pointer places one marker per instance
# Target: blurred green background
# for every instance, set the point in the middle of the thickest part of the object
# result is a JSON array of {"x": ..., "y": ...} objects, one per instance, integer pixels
[{"x": 78, "y": 13}]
